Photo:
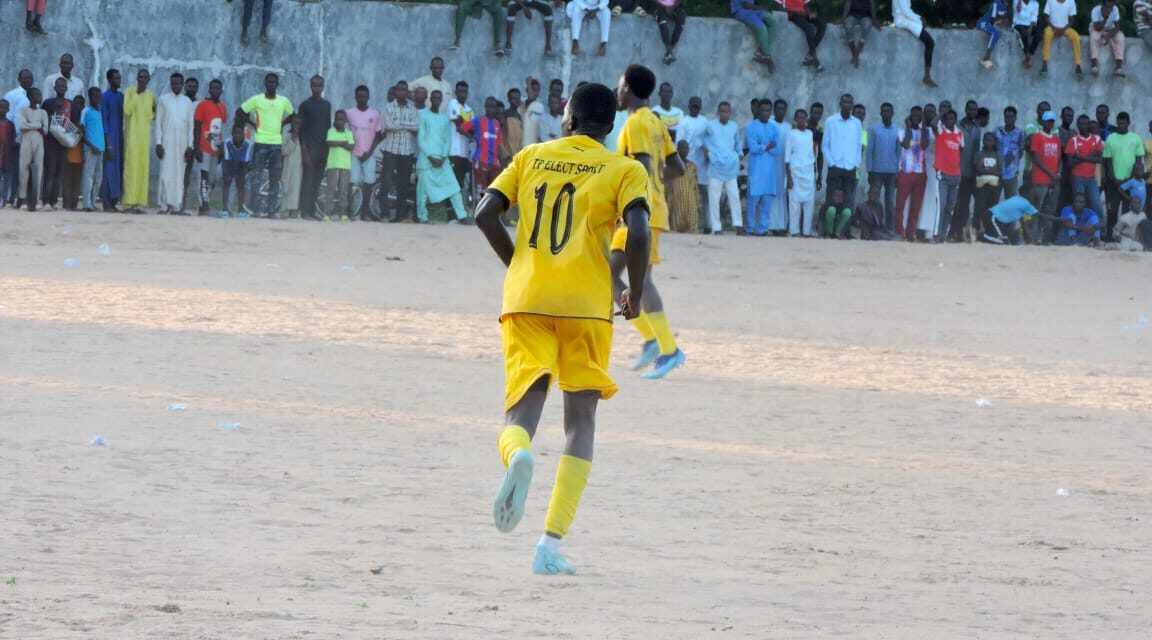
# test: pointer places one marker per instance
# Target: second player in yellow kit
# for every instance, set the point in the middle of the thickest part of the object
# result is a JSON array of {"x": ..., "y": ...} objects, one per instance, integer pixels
[
  {"x": 645, "y": 139},
  {"x": 558, "y": 299}
]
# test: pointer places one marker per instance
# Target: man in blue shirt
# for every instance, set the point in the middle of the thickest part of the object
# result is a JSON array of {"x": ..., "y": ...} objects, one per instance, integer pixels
[
  {"x": 92, "y": 124},
  {"x": 884, "y": 160},
  {"x": 1011, "y": 145},
  {"x": 722, "y": 151},
  {"x": 1006, "y": 220},
  {"x": 764, "y": 148},
  {"x": 1079, "y": 225}
]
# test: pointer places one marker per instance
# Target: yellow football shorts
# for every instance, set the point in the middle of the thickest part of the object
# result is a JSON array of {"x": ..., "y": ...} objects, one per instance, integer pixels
[
  {"x": 571, "y": 351},
  {"x": 620, "y": 238}
]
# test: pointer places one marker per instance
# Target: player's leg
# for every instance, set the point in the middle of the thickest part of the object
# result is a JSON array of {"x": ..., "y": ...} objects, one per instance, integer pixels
[
  {"x": 652, "y": 304},
  {"x": 584, "y": 348},
  {"x": 530, "y": 354},
  {"x": 617, "y": 262},
  {"x": 571, "y": 477}
]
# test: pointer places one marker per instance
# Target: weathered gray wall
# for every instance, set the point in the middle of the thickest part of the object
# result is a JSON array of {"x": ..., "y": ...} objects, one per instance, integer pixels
[{"x": 375, "y": 43}]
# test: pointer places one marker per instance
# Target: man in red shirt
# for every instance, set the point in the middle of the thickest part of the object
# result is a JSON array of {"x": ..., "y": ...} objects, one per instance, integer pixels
[
  {"x": 208, "y": 131},
  {"x": 1085, "y": 152},
  {"x": 802, "y": 14},
  {"x": 488, "y": 136},
  {"x": 1044, "y": 150},
  {"x": 949, "y": 142}
]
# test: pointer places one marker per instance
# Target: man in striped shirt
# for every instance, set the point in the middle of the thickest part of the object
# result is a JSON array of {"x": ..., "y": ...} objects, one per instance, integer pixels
[
  {"x": 485, "y": 130},
  {"x": 401, "y": 122}
]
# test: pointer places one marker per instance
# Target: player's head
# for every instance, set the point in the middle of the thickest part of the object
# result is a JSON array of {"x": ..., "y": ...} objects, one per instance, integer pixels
[
  {"x": 637, "y": 82},
  {"x": 590, "y": 111}
]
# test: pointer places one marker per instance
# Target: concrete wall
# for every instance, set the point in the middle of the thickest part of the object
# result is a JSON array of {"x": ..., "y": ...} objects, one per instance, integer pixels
[{"x": 376, "y": 43}]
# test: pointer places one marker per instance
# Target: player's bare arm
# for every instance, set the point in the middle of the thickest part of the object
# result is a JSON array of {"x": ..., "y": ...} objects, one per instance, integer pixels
[
  {"x": 636, "y": 252},
  {"x": 488, "y": 219}
]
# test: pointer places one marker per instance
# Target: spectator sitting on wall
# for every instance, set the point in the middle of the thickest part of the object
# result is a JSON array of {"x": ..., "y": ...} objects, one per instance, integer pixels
[
  {"x": 1060, "y": 14},
  {"x": 1024, "y": 19},
  {"x": 859, "y": 20},
  {"x": 1105, "y": 28},
  {"x": 581, "y": 10},
  {"x": 763, "y": 26},
  {"x": 670, "y": 11},
  {"x": 265, "y": 19},
  {"x": 32, "y": 19},
  {"x": 542, "y": 7},
  {"x": 997, "y": 13},
  {"x": 1142, "y": 14},
  {"x": 803, "y": 14},
  {"x": 473, "y": 9},
  {"x": 627, "y": 6}
]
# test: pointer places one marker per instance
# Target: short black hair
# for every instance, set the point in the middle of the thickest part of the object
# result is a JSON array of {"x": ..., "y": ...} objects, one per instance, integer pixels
[
  {"x": 887, "y": 104},
  {"x": 971, "y": 103},
  {"x": 271, "y": 75},
  {"x": 436, "y": 92},
  {"x": 640, "y": 80},
  {"x": 1082, "y": 116},
  {"x": 817, "y": 104},
  {"x": 982, "y": 113},
  {"x": 177, "y": 75},
  {"x": 340, "y": 111},
  {"x": 362, "y": 88},
  {"x": 192, "y": 79},
  {"x": 723, "y": 104},
  {"x": 108, "y": 76},
  {"x": 92, "y": 90},
  {"x": 511, "y": 91},
  {"x": 435, "y": 59},
  {"x": 593, "y": 106},
  {"x": 1066, "y": 109},
  {"x": 780, "y": 101},
  {"x": 1010, "y": 109},
  {"x": 799, "y": 111},
  {"x": 1123, "y": 115},
  {"x": 665, "y": 84},
  {"x": 215, "y": 81},
  {"x": 461, "y": 84}
]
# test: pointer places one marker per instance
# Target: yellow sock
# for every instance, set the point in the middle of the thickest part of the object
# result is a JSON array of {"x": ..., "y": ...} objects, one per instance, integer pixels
[
  {"x": 512, "y": 439},
  {"x": 644, "y": 327},
  {"x": 571, "y": 476},
  {"x": 663, "y": 332}
]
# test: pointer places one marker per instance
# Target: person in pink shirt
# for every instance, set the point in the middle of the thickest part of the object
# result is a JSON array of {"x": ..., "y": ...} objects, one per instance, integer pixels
[{"x": 364, "y": 121}]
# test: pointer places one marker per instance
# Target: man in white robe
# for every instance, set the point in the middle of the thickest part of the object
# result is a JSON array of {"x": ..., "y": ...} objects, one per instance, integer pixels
[{"x": 174, "y": 121}]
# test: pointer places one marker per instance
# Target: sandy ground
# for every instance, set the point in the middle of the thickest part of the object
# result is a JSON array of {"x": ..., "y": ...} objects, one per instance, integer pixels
[{"x": 820, "y": 469}]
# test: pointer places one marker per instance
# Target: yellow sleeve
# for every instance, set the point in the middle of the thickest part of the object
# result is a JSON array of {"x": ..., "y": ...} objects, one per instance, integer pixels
[
  {"x": 633, "y": 188},
  {"x": 633, "y": 131},
  {"x": 508, "y": 182}
]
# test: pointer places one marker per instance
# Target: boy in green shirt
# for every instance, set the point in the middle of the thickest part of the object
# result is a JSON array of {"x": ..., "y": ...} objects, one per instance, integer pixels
[{"x": 340, "y": 144}]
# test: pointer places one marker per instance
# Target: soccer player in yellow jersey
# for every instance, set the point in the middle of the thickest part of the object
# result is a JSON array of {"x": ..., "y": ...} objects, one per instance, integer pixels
[
  {"x": 646, "y": 140},
  {"x": 558, "y": 299}
]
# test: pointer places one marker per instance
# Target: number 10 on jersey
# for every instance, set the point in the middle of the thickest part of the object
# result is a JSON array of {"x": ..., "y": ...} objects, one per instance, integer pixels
[{"x": 567, "y": 194}]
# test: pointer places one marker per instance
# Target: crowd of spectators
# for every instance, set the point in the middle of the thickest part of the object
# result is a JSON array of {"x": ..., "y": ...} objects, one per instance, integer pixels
[{"x": 90, "y": 148}]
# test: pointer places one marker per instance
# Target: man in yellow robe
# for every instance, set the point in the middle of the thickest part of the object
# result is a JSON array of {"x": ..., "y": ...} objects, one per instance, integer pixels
[{"x": 139, "y": 111}]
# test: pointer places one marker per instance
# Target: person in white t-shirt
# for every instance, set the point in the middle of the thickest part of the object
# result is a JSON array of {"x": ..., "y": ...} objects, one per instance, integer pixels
[
  {"x": 1142, "y": 14},
  {"x": 1105, "y": 28},
  {"x": 1060, "y": 15},
  {"x": 460, "y": 153},
  {"x": 1024, "y": 19},
  {"x": 669, "y": 115}
]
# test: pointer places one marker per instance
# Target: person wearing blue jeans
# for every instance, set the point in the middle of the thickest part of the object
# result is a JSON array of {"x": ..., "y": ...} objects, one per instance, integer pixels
[
  {"x": 265, "y": 18},
  {"x": 1085, "y": 152},
  {"x": 884, "y": 150},
  {"x": 270, "y": 157}
]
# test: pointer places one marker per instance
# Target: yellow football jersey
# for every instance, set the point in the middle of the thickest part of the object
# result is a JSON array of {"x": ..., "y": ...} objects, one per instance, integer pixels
[
  {"x": 571, "y": 194},
  {"x": 644, "y": 133}
]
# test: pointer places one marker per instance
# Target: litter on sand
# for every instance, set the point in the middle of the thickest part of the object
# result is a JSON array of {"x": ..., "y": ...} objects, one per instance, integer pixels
[{"x": 229, "y": 426}]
